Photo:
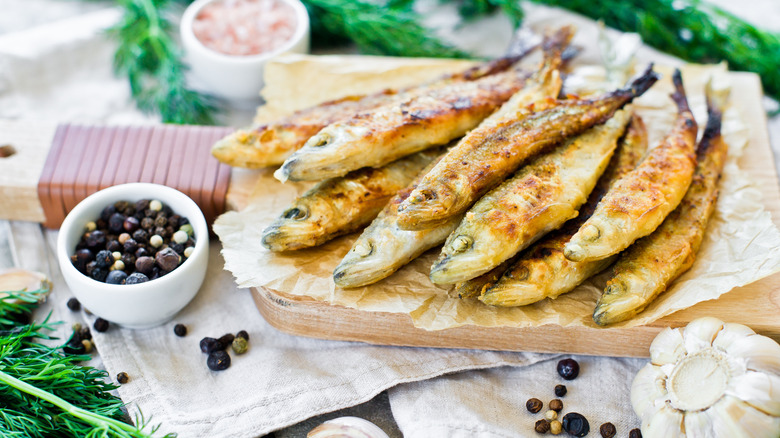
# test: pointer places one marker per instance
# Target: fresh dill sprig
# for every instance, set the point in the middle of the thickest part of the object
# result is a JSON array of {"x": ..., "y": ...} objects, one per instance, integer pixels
[
  {"x": 471, "y": 9},
  {"x": 377, "y": 28},
  {"x": 151, "y": 60},
  {"x": 46, "y": 393},
  {"x": 16, "y": 306}
]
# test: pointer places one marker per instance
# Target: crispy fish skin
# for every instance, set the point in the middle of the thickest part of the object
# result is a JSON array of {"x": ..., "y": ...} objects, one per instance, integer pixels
[
  {"x": 271, "y": 144},
  {"x": 637, "y": 204},
  {"x": 474, "y": 167},
  {"x": 543, "y": 271},
  {"x": 648, "y": 267},
  {"x": 538, "y": 199},
  {"x": 341, "y": 205},
  {"x": 383, "y": 248}
]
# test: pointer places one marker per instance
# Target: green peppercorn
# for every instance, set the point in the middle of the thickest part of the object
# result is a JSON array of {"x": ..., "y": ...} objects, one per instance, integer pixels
[
  {"x": 187, "y": 228},
  {"x": 239, "y": 345}
]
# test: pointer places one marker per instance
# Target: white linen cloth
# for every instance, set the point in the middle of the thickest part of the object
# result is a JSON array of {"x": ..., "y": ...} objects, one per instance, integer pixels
[{"x": 61, "y": 71}]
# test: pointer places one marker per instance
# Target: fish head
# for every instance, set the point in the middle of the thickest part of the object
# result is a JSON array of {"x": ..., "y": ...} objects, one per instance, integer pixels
[
  {"x": 297, "y": 227},
  {"x": 428, "y": 207},
  {"x": 325, "y": 155},
  {"x": 371, "y": 258}
]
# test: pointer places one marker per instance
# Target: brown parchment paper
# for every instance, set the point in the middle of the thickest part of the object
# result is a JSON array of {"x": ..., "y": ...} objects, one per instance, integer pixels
[{"x": 741, "y": 245}]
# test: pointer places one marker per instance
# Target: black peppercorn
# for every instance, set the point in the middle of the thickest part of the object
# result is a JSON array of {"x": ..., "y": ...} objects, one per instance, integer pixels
[
  {"x": 178, "y": 247},
  {"x": 141, "y": 252},
  {"x": 128, "y": 260},
  {"x": 180, "y": 330},
  {"x": 635, "y": 433},
  {"x": 121, "y": 205},
  {"x": 160, "y": 221},
  {"x": 85, "y": 333},
  {"x": 113, "y": 245},
  {"x": 140, "y": 235},
  {"x": 218, "y": 360},
  {"x": 96, "y": 240},
  {"x": 144, "y": 265},
  {"x": 82, "y": 257},
  {"x": 147, "y": 223},
  {"x": 105, "y": 215},
  {"x": 74, "y": 304},
  {"x": 556, "y": 405},
  {"x": 131, "y": 224},
  {"x": 167, "y": 259},
  {"x": 115, "y": 223},
  {"x": 141, "y": 204},
  {"x": 607, "y": 430},
  {"x": 226, "y": 340},
  {"x": 207, "y": 345},
  {"x": 116, "y": 277},
  {"x": 130, "y": 245},
  {"x": 122, "y": 378},
  {"x": 101, "y": 325},
  {"x": 99, "y": 274},
  {"x": 135, "y": 278},
  {"x": 150, "y": 213},
  {"x": 174, "y": 221},
  {"x": 534, "y": 405},
  {"x": 569, "y": 369},
  {"x": 242, "y": 334},
  {"x": 90, "y": 267},
  {"x": 74, "y": 346},
  {"x": 575, "y": 424},
  {"x": 104, "y": 259},
  {"x": 560, "y": 390},
  {"x": 542, "y": 426}
]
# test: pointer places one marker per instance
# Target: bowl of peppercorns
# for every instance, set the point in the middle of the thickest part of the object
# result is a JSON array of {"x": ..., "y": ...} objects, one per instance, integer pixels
[{"x": 134, "y": 254}]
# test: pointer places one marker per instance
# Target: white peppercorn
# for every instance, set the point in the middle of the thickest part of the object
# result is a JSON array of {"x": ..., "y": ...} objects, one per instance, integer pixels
[{"x": 156, "y": 240}]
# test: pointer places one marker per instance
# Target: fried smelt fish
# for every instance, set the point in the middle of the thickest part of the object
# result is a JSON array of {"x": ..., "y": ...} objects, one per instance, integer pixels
[
  {"x": 637, "y": 204},
  {"x": 342, "y": 205},
  {"x": 270, "y": 144},
  {"x": 648, "y": 267},
  {"x": 538, "y": 199},
  {"x": 476, "y": 166},
  {"x": 542, "y": 271},
  {"x": 383, "y": 248},
  {"x": 374, "y": 138}
]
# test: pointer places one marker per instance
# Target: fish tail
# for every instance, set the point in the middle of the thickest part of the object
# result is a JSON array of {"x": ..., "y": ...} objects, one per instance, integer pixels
[
  {"x": 716, "y": 104},
  {"x": 523, "y": 43},
  {"x": 678, "y": 96},
  {"x": 640, "y": 84}
]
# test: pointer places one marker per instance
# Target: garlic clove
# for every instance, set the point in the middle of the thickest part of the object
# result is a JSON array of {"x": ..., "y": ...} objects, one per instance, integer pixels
[
  {"x": 698, "y": 425},
  {"x": 734, "y": 418},
  {"x": 731, "y": 333},
  {"x": 347, "y": 427},
  {"x": 667, "y": 347},
  {"x": 648, "y": 390},
  {"x": 700, "y": 333},
  {"x": 759, "y": 352},
  {"x": 759, "y": 390},
  {"x": 666, "y": 423}
]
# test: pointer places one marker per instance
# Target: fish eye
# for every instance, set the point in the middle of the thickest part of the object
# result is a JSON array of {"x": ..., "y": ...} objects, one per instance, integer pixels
[
  {"x": 364, "y": 249},
  {"x": 461, "y": 243},
  {"x": 322, "y": 140},
  {"x": 295, "y": 213},
  {"x": 519, "y": 274}
]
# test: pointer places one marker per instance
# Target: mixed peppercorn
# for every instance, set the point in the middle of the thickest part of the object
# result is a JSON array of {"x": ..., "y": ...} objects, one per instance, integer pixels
[
  {"x": 132, "y": 243},
  {"x": 573, "y": 423},
  {"x": 218, "y": 358}
]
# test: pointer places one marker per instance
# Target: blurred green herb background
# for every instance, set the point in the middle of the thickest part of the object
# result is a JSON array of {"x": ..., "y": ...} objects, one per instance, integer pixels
[{"x": 690, "y": 29}]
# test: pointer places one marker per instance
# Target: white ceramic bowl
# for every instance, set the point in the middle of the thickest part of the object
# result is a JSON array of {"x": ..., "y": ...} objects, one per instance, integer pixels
[
  {"x": 238, "y": 78},
  {"x": 140, "y": 305}
]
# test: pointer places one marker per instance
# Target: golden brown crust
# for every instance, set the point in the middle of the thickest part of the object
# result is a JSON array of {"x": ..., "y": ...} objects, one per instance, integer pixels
[
  {"x": 648, "y": 267},
  {"x": 638, "y": 203},
  {"x": 543, "y": 271},
  {"x": 484, "y": 159},
  {"x": 341, "y": 205}
]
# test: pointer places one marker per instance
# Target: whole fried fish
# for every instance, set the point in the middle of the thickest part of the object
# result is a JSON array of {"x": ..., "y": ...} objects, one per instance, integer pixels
[
  {"x": 637, "y": 204},
  {"x": 648, "y": 267},
  {"x": 542, "y": 271},
  {"x": 471, "y": 169},
  {"x": 374, "y": 138},
  {"x": 383, "y": 248},
  {"x": 270, "y": 144},
  {"x": 341, "y": 205},
  {"x": 538, "y": 199}
]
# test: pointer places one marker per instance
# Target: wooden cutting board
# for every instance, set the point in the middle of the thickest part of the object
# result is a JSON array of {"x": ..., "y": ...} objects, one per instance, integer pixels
[{"x": 756, "y": 305}]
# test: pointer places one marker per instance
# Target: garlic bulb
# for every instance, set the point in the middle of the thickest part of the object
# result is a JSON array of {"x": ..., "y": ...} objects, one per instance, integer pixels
[
  {"x": 709, "y": 380},
  {"x": 347, "y": 427}
]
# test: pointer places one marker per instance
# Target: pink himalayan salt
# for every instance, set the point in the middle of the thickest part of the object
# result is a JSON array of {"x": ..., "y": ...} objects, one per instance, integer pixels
[{"x": 244, "y": 27}]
